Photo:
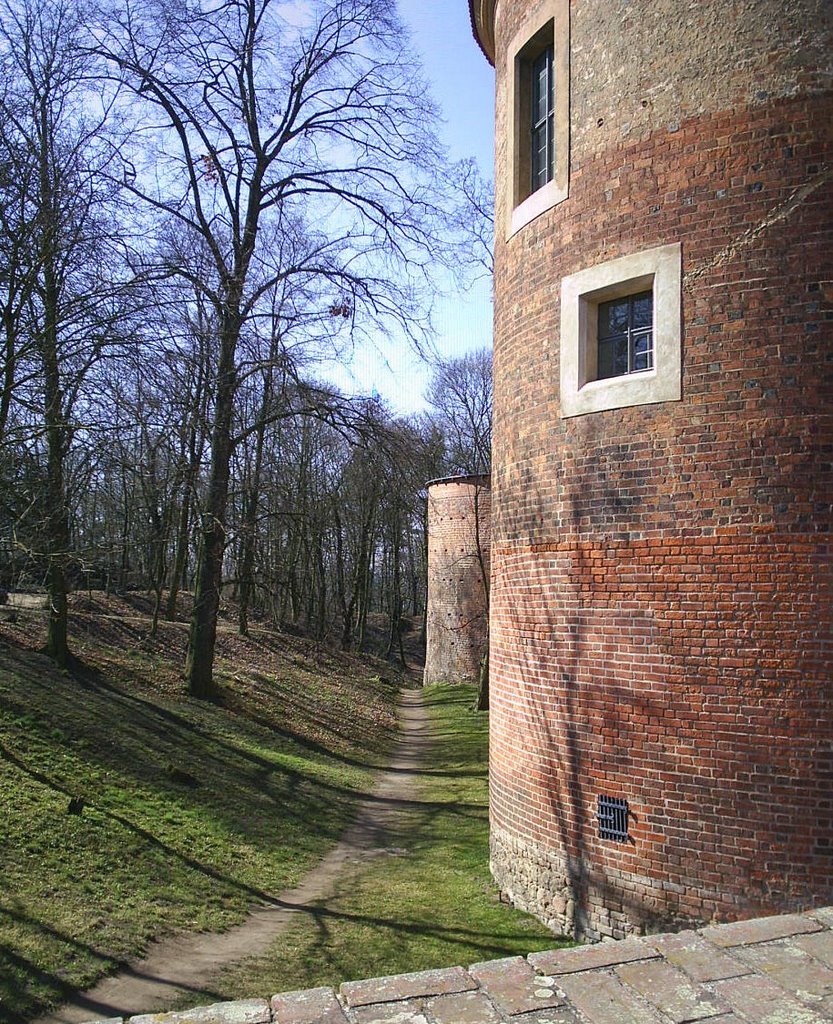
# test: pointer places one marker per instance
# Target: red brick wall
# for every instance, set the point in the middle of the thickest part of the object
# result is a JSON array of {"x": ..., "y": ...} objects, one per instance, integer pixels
[
  {"x": 661, "y": 603},
  {"x": 459, "y": 529}
]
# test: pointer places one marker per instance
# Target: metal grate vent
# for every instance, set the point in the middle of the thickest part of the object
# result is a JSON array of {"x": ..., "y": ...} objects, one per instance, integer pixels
[{"x": 613, "y": 818}]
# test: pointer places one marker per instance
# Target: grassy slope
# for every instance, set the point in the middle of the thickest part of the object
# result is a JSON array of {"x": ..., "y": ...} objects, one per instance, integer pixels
[
  {"x": 191, "y": 810},
  {"x": 431, "y": 903}
]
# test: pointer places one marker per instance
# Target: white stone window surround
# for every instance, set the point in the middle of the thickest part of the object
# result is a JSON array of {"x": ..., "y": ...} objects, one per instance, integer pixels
[
  {"x": 548, "y": 25},
  {"x": 659, "y": 269}
]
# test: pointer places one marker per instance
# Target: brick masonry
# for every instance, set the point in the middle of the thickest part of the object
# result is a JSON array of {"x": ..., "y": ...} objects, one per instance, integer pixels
[
  {"x": 775, "y": 970},
  {"x": 459, "y": 532},
  {"x": 662, "y": 595}
]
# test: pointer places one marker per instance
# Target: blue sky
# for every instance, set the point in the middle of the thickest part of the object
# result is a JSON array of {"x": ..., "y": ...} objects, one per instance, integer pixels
[{"x": 463, "y": 86}]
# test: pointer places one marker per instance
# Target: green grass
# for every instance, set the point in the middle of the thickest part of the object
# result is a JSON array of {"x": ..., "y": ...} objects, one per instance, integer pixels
[
  {"x": 192, "y": 811},
  {"x": 430, "y": 903}
]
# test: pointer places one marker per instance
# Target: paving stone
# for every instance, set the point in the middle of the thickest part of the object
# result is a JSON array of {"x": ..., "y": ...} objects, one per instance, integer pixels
[
  {"x": 763, "y": 929},
  {"x": 824, "y": 915},
  {"x": 603, "y": 999},
  {"x": 793, "y": 969},
  {"x": 726, "y": 1018},
  {"x": 588, "y": 958},
  {"x": 554, "y": 1015},
  {"x": 760, "y": 1000},
  {"x": 463, "y": 1008},
  {"x": 514, "y": 986},
  {"x": 819, "y": 945},
  {"x": 407, "y": 1011},
  {"x": 243, "y": 1011},
  {"x": 311, "y": 1006},
  {"x": 668, "y": 989},
  {"x": 407, "y": 986},
  {"x": 699, "y": 959}
]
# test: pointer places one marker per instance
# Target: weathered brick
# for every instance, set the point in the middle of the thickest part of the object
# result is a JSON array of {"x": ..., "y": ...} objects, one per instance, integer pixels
[
  {"x": 762, "y": 1001},
  {"x": 819, "y": 945},
  {"x": 553, "y": 1015},
  {"x": 793, "y": 969},
  {"x": 514, "y": 986},
  {"x": 661, "y": 604},
  {"x": 404, "y": 1012},
  {"x": 669, "y": 991},
  {"x": 459, "y": 522},
  {"x": 243, "y": 1011},
  {"x": 588, "y": 958},
  {"x": 406, "y": 986},
  {"x": 604, "y": 1000},
  {"x": 463, "y": 1008},
  {"x": 824, "y": 915},
  {"x": 762, "y": 929},
  {"x": 309, "y": 1006},
  {"x": 699, "y": 959}
]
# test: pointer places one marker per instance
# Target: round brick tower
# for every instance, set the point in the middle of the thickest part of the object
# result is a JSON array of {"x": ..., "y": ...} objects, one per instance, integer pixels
[
  {"x": 459, "y": 523},
  {"x": 661, "y": 642}
]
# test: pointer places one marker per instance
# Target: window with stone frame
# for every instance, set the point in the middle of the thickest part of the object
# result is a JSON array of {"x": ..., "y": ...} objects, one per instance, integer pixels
[
  {"x": 538, "y": 76},
  {"x": 621, "y": 332}
]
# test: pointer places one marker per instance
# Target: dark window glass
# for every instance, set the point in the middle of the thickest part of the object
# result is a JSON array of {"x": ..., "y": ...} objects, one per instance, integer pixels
[
  {"x": 543, "y": 119},
  {"x": 626, "y": 336}
]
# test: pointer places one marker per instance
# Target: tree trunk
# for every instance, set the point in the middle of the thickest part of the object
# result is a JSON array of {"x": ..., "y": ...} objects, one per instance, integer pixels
[
  {"x": 57, "y": 520},
  {"x": 482, "y": 703},
  {"x": 181, "y": 555},
  {"x": 249, "y": 524},
  {"x": 57, "y": 523},
  {"x": 199, "y": 665}
]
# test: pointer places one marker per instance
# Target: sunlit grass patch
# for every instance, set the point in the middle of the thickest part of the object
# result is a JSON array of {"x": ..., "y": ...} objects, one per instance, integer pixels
[
  {"x": 430, "y": 902},
  {"x": 186, "y": 813}
]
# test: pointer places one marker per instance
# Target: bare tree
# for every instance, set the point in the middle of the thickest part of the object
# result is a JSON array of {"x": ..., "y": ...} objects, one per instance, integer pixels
[
  {"x": 319, "y": 132},
  {"x": 62, "y": 307},
  {"x": 460, "y": 393}
]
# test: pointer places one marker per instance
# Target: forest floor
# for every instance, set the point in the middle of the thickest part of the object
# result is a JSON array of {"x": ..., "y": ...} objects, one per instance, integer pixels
[{"x": 191, "y": 814}]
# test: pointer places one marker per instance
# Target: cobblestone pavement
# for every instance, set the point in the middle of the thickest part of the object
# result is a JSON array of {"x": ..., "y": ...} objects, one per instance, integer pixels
[{"x": 774, "y": 970}]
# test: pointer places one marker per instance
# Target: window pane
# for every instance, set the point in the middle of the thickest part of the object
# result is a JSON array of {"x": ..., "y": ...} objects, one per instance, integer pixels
[
  {"x": 613, "y": 357},
  {"x": 625, "y": 335},
  {"x": 643, "y": 310},
  {"x": 643, "y": 352},
  {"x": 541, "y": 95},
  {"x": 539, "y": 157},
  {"x": 613, "y": 317},
  {"x": 550, "y": 146},
  {"x": 541, "y": 119}
]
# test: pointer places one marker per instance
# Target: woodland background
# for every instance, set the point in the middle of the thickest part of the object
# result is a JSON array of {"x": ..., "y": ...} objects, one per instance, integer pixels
[{"x": 205, "y": 207}]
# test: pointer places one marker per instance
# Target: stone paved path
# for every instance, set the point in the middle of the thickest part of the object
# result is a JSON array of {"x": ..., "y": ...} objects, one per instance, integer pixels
[
  {"x": 188, "y": 962},
  {"x": 774, "y": 970}
]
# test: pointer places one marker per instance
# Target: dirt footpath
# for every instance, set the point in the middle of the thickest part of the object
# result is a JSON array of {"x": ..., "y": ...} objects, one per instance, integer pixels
[{"x": 188, "y": 962}]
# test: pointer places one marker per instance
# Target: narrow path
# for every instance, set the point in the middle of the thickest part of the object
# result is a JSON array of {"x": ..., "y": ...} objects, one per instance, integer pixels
[{"x": 184, "y": 963}]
